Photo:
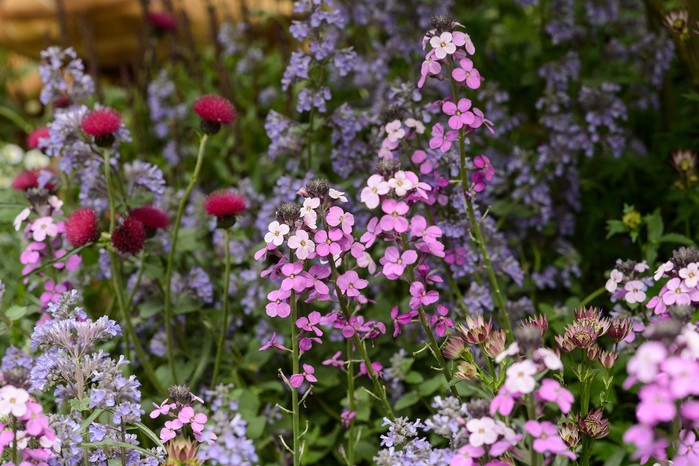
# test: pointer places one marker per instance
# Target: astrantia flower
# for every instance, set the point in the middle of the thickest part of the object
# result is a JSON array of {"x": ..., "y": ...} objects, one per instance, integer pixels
[
  {"x": 225, "y": 206},
  {"x": 81, "y": 227},
  {"x": 103, "y": 125},
  {"x": 214, "y": 111},
  {"x": 151, "y": 217},
  {"x": 129, "y": 237},
  {"x": 38, "y": 138}
]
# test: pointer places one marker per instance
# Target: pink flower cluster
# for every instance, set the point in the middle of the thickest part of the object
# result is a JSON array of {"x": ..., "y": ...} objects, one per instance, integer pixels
[
  {"x": 681, "y": 289},
  {"x": 45, "y": 232},
  {"x": 182, "y": 415},
  {"x": 485, "y": 435},
  {"x": 627, "y": 283},
  {"x": 34, "y": 438},
  {"x": 397, "y": 131},
  {"x": 669, "y": 378},
  {"x": 446, "y": 48}
]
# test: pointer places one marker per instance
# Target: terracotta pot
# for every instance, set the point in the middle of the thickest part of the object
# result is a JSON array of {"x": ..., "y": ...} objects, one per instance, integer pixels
[{"x": 113, "y": 26}]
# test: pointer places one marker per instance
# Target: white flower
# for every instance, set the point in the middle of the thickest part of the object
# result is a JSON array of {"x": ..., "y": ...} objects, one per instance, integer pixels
[
  {"x": 13, "y": 401},
  {"x": 549, "y": 358},
  {"x": 615, "y": 277},
  {"x": 19, "y": 219},
  {"x": 520, "y": 377},
  {"x": 55, "y": 202},
  {"x": 635, "y": 292},
  {"x": 413, "y": 123},
  {"x": 366, "y": 261},
  {"x": 443, "y": 45},
  {"x": 395, "y": 130},
  {"x": 690, "y": 275},
  {"x": 308, "y": 213},
  {"x": 35, "y": 159},
  {"x": 337, "y": 195},
  {"x": 510, "y": 351},
  {"x": 302, "y": 244},
  {"x": 276, "y": 233},
  {"x": 400, "y": 183},
  {"x": 644, "y": 364},
  {"x": 666, "y": 267},
  {"x": 482, "y": 431},
  {"x": 12, "y": 154},
  {"x": 43, "y": 227},
  {"x": 376, "y": 186},
  {"x": 642, "y": 267}
]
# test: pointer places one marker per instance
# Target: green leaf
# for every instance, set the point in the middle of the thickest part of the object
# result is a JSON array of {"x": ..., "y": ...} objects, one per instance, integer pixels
[
  {"x": 655, "y": 227},
  {"x": 614, "y": 227},
  {"x": 79, "y": 405},
  {"x": 430, "y": 386},
  {"x": 616, "y": 458},
  {"x": 414, "y": 377},
  {"x": 16, "y": 312},
  {"x": 407, "y": 400},
  {"x": 151, "y": 435},
  {"x": 256, "y": 426},
  {"x": 676, "y": 238},
  {"x": 90, "y": 418},
  {"x": 110, "y": 443}
]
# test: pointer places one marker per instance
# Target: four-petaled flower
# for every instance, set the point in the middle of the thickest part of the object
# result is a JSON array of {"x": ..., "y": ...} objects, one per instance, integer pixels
[
  {"x": 394, "y": 262},
  {"x": 394, "y": 220},
  {"x": 297, "y": 379},
  {"x": 443, "y": 45},
  {"x": 350, "y": 283},
  {"x": 466, "y": 72},
  {"x": 376, "y": 187},
  {"x": 276, "y": 233},
  {"x": 302, "y": 244},
  {"x": 460, "y": 115}
]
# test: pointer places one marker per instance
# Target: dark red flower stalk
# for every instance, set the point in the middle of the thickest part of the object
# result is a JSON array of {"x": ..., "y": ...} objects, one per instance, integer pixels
[
  {"x": 214, "y": 111},
  {"x": 151, "y": 217},
  {"x": 102, "y": 124},
  {"x": 129, "y": 237},
  {"x": 37, "y": 135},
  {"x": 225, "y": 206},
  {"x": 81, "y": 227}
]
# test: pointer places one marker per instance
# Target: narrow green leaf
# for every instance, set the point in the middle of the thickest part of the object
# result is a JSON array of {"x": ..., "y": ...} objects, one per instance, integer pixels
[
  {"x": 110, "y": 443},
  {"x": 90, "y": 418},
  {"x": 151, "y": 435}
]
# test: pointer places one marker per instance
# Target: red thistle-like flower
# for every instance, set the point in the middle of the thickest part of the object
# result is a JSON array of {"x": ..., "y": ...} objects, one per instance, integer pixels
[
  {"x": 81, "y": 227},
  {"x": 151, "y": 217},
  {"x": 162, "y": 21},
  {"x": 26, "y": 180},
  {"x": 225, "y": 206},
  {"x": 37, "y": 135},
  {"x": 130, "y": 237},
  {"x": 214, "y": 111},
  {"x": 102, "y": 123}
]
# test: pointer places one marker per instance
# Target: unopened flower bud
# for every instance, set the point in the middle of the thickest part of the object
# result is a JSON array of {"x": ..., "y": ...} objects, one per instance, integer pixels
[
  {"x": 466, "y": 371},
  {"x": 180, "y": 394},
  {"x": 528, "y": 339},
  {"x": 665, "y": 330},
  {"x": 607, "y": 358},
  {"x": 478, "y": 408},
  {"x": 620, "y": 328},
  {"x": 570, "y": 434},
  {"x": 442, "y": 23},
  {"x": 289, "y": 213},
  {"x": 682, "y": 257},
  {"x": 682, "y": 314},
  {"x": 318, "y": 187},
  {"x": 386, "y": 167}
]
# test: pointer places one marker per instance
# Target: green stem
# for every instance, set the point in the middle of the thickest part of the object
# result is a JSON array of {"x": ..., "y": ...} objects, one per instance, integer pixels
[
  {"x": 171, "y": 258},
  {"x": 226, "y": 285},
  {"x": 592, "y": 296},
  {"x": 296, "y": 418},
  {"x": 351, "y": 405},
  {"x": 16, "y": 118},
  {"x": 14, "y": 441},
  {"x": 499, "y": 298},
  {"x": 531, "y": 414},
  {"x": 119, "y": 291},
  {"x": 584, "y": 409}
]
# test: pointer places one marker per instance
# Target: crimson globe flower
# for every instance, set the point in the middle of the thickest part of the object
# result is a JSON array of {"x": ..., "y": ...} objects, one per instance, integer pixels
[
  {"x": 26, "y": 180},
  {"x": 34, "y": 138},
  {"x": 162, "y": 21},
  {"x": 102, "y": 124},
  {"x": 151, "y": 217},
  {"x": 214, "y": 111},
  {"x": 81, "y": 227},
  {"x": 129, "y": 237},
  {"x": 225, "y": 206}
]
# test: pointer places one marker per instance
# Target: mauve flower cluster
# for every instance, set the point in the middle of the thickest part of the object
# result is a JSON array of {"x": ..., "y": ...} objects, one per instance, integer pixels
[
  {"x": 682, "y": 288},
  {"x": 667, "y": 369},
  {"x": 178, "y": 406},
  {"x": 64, "y": 78}
]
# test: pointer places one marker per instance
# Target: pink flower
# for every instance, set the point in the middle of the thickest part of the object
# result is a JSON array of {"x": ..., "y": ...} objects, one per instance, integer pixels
[
  {"x": 302, "y": 244},
  {"x": 420, "y": 295},
  {"x": 6, "y": 437},
  {"x": 297, "y": 379},
  {"x": 394, "y": 130},
  {"x": 376, "y": 187},
  {"x": 36, "y": 422},
  {"x": 278, "y": 307},
  {"x": 443, "y": 45},
  {"x": 400, "y": 183},
  {"x": 502, "y": 403},
  {"x": 644, "y": 364},
  {"x": 466, "y": 72},
  {"x": 336, "y": 216},
  {"x": 400, "y": 320},
  {"x": 690, "y": 274},
  {"x": 482, "y": 431},
  {"x": 462, "y": 39},
  {"x": 44, "y": 227},
  {"x": 551, "y": 390},
  {"x": 335, "y": 361},
  {"x": 316, "y": 274},
  {"x": 440, "y": 321},
  {"x": 394, "y": 220},
  {"x": 394, "y": 262},
  {"x": 350, "y": 283},
  {"x": 441, "y": 140},
  {"x": 662, "y": 270},
  {"x": 327, "y": 243},
  {"x": 347, "y": 416},
  {"x": 635, "y": 292},
  {"x": 271, "y": 343},
  {"x": 677, "y": 293},
  {"x": 419, "y": 229},
  {"x": 429, "y": 67},
  {"x": 460, "y": 116},
  {"x": 376, "y": 366},
  {"x": 467, "y": 456},
  {"x": 31, "y": 253},
  {"x": 687, "y": 450},
  {"x": 169, "y": 432},
  {"x": 13, "y": 401},
  {"x": 520, "y": 377},
  {"x": 684, "y": 376},
  {"x": 482, "y": 162},
  {"x": 546, "y": 438},
  {"x": 657, "y": 405},
  {"x": 295, "y": 280},
  {"x": 196, "y": 420},
  {"x": 481, "y": 120},
  {"x": 642, "y": 437},
  {"x": 310, "y": 323}
]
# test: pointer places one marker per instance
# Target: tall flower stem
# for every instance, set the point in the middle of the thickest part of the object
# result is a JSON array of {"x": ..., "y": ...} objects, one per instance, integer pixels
[
  {"x": 531, "y": 414},
  {"x": 226, "y": 286},
  {"x": 118, "y": 288},
  {"x": 379, "y": 388},
  {"x": 586, "y": 381},
  {"x": 295, "y": 414},
  {"x": 504, "y": 319},
  {"x": 351, "y": 404},
  {"x": 171, "y": 257}
]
